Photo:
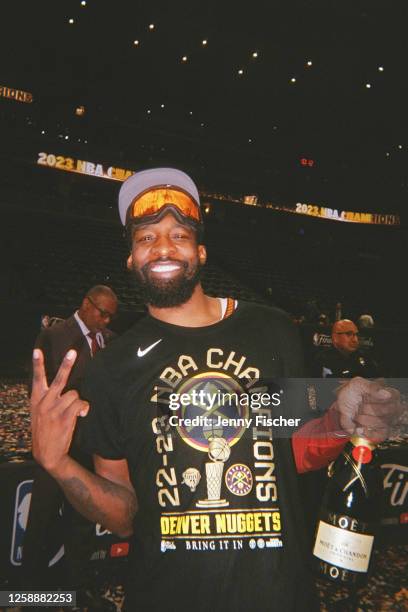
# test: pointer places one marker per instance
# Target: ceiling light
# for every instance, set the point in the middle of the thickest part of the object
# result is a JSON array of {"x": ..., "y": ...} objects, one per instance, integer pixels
[
  {"x": 136, "y": 42},
  {"x": 293, "y": 80},
  {"x": 309, "y": 63},
  {"x": 240, "y": 71},
  {"x": 400, "y": 146},
  {"x": 71, "y": 21},
  {"x": 184, "y": 58},
  {"x": 368, "y": 85},
  {"x": 161, "y": 105},
  {"x": 255, "y": 54},
  {"x": 83, "y": 3},
  {"x": 148, "y": 111},
  {"x": 151, "y": 26},
  {"x": 204, "y": 42},
  {"x": 380, "y": 68}
]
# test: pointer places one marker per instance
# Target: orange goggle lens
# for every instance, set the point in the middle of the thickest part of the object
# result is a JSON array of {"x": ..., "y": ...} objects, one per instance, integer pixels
[{"x": 152, "y": 202}]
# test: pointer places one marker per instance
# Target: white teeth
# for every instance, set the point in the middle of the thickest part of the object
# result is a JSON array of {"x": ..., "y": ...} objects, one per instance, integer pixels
[{"x": 164, "y": 268}]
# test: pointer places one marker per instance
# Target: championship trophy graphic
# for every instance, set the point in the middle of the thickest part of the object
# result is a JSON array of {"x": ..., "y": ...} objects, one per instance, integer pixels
[
  {"x": 218, "y": 452},
  {"x": 216, "y": 431}
]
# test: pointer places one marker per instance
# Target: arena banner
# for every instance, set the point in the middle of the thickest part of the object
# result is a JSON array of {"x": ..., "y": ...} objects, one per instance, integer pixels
[
  {"x": 80, "y": 166},
  {"x": 334, "y": 214},
  {"x": 16, "y": 94},
  {"x": 316, "y": 211},
  {"x": 105, "y": 171}
]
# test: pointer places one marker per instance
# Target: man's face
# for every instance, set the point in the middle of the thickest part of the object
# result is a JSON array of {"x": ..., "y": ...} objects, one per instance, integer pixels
[
  {"x": 167, "y": 261},
  {"x": 345, "y": 337},
  {"x": 97, "y": 311}
]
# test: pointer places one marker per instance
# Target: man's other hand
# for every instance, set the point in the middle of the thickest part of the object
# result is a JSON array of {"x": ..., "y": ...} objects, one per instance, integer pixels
[{"x": 368, "y": 408}]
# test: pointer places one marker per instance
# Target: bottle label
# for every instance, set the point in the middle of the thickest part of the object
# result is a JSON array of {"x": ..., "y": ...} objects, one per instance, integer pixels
[{"x": 343, "y": 548}]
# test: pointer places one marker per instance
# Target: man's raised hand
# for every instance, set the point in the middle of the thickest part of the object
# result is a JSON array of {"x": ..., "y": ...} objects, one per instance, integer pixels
[
  {"x": 368, "y": 408},
  {"x": 53, "y": 413}
]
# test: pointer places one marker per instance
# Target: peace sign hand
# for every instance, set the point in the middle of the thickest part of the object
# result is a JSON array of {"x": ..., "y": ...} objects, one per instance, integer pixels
[{"x": 53, "y": 413}]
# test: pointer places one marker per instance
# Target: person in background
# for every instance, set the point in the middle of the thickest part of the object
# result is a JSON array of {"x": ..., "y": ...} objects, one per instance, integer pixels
[
  {"x": 365, "y": 321},
  {"x": 344, "y": 359},
  {"x": 323, "y": 322},
  {"x": 368, "y": 336},
  {"x": 86, "y": 332}
]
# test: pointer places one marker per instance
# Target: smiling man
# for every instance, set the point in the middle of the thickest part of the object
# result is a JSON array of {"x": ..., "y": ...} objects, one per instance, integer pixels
[
  {"x": 168, "y": 270},
  {"x": 165, "y": 229},
  {"x": 214, "y": 508}
]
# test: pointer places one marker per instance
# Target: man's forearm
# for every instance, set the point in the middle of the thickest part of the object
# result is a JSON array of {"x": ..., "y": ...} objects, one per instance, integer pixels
[
  {"x": 98, "y": 499},
  {"x": 318, "y": 442}
]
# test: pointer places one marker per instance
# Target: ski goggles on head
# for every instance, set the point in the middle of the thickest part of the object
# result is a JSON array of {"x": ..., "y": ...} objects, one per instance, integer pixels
[{"x": 150, "y": 204}]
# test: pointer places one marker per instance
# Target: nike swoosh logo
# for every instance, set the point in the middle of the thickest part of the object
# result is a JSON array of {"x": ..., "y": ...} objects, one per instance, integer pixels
[{"x": 143, "y": 352}]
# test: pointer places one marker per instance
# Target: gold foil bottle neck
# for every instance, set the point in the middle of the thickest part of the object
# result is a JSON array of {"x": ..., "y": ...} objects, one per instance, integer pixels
[{"x": 360, "y": 441}]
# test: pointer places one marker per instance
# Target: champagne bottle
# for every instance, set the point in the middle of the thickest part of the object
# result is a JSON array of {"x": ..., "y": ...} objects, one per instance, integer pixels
[{"x": 350, "y": 510}]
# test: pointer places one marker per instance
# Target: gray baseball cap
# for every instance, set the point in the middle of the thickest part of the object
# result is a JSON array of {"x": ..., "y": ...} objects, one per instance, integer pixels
[{"x": 146, "y": 180}]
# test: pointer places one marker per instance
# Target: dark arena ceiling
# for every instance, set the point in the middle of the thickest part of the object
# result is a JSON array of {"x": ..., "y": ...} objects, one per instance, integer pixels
[{"x": 290, "y": 100}]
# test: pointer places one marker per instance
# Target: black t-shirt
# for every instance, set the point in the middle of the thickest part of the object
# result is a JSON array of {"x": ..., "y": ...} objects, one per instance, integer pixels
[
  {"x": 331, "y": 363},
  {"x": 220, "y": 521}
]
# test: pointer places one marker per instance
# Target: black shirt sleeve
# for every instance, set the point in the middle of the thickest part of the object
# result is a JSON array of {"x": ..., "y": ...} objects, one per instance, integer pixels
[
  {"x": 304, "y": 398},
  {"x": 100, "y": 431}
]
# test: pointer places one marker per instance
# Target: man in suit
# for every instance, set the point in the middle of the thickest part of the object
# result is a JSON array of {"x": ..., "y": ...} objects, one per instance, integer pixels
[{"x": 85, "y": 331}]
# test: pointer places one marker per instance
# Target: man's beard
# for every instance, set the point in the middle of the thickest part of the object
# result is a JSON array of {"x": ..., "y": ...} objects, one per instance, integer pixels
[{"x": 169, "y": 292}]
